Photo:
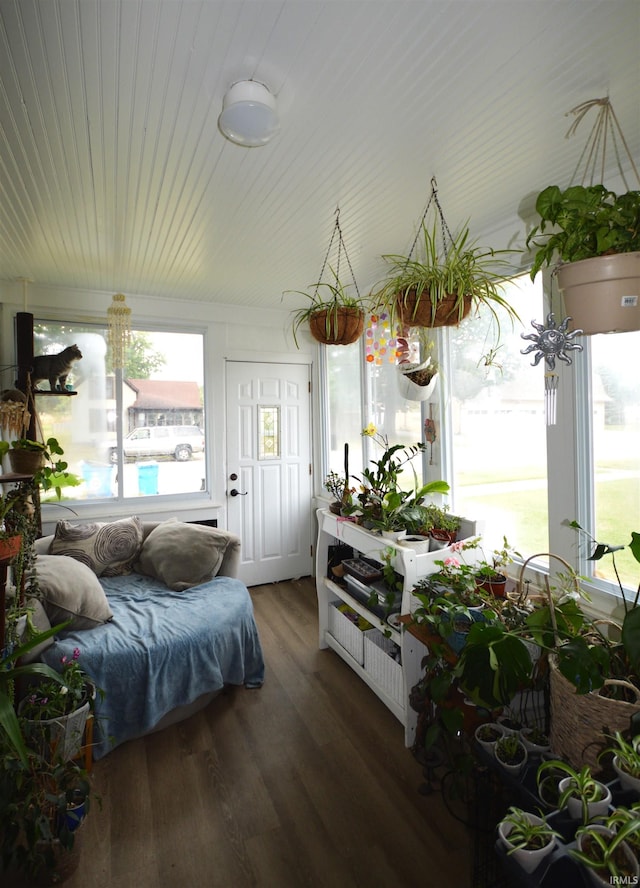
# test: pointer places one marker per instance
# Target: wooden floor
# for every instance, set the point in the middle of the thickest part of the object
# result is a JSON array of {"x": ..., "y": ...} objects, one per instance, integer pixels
[{"x": 305, "y": 782}]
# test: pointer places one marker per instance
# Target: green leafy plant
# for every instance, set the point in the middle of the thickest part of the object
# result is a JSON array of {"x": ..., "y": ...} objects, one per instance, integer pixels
[
  {"x": 54, "y": 698},
  {"x": 53, "y": 474},
  {"x": 626, "y": 752},
  {"x": 602, "y": 849},
  {"x": 527, "y": 834},
  {"x": 510, "y": 749},
  {"x": 582, "y": 785},
  {"x": 586, "y": 221},
  {"x": 464, "y": 270},
  {"x": 329, "y": 298}
]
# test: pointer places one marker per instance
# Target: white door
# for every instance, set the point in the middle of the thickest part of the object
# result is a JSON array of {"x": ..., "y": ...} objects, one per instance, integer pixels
[{"x": 269, "y": 469}]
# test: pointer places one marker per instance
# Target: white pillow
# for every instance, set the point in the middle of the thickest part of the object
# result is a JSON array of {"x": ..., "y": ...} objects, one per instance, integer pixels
[{"x": 71, "y": 591}]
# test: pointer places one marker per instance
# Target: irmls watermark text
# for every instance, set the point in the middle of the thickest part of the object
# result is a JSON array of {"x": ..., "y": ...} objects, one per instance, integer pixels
[{"x": 624, "y": 880}]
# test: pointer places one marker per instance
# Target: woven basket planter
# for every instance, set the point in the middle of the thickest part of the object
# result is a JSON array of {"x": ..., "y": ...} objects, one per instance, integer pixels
[
  {"x": 340, "y": 326},
  {"x": 580, "y": 721},
  {"x": 26, "y": 462},
  {"x": 414, "y": 312}
]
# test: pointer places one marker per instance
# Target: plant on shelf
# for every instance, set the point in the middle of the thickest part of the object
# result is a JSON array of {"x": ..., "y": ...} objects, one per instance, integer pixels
[
  {"x": 48, "y": 469},
  {"x": 510, "y": 751},
  {"x": 336, "y": 485},
  {"x": 334, "y": 316},
  {"x": 382, "y": 503},
  {"x": 606, "y": 853},
  {"x": 528, "y": 837},
  {"x": 580, "y": 792},
  {"x": 625, "y": 759},
  {"x": 585, "y": 221}
]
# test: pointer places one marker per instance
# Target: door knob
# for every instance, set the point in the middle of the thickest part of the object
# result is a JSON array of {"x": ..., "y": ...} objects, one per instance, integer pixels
[{"x": 234, "y": 492}]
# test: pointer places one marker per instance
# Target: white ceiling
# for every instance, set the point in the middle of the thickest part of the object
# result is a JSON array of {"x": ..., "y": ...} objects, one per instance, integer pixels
[{"x": 115, "y": 177}]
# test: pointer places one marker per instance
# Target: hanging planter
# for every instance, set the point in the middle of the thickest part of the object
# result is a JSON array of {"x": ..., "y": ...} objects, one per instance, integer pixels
[
  {"x": 595, "y": 235},
  {"x": 334, "y": 316},
  {"x": 416, "y": 378},
  {"x": 449, "y": 276}
]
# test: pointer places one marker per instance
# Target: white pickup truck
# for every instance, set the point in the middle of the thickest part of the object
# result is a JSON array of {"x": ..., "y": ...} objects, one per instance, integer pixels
[{"x": 181, "y": 442}]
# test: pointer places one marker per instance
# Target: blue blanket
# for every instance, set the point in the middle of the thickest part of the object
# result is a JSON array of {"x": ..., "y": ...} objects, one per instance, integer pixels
[{"x": 161, "y": 650}]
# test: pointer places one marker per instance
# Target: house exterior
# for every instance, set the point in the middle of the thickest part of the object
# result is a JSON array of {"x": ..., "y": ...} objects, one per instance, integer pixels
[{"x": 159, "y": 402}]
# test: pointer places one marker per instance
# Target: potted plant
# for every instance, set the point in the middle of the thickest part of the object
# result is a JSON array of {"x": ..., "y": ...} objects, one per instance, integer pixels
[
  {"x": 417, "y": 373},
  {"x": 42, "y": 461},
  {"x": 527, "y": 837},
  {"x": 39, "y": 832},
  {"x": 596, "y": 236},
  {"x": 336, "y": 485},
  {"x": 54, "y": 712},
  {"x": 535, "y": 740},
  {"x": 626, "y": 761},
  {"x": 510, "y": 753},
  {"x": 334, "y": 316},
  {"x": 488, "y": 734},
  {"x": 606, "y": 854},
  {"x": 580, "y": 793}
]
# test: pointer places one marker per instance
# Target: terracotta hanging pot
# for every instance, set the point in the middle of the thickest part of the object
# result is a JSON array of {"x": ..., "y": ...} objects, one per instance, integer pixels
[
  {"x": 602, "y": 295},
  {"x": 342, "y": 326},
  {"x": 418, "y": 312}
]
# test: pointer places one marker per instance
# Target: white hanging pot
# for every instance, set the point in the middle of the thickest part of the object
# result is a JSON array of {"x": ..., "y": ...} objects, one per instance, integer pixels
[
  {"x": 602, "y": 295},
  {"x": 411, "y": 390}
]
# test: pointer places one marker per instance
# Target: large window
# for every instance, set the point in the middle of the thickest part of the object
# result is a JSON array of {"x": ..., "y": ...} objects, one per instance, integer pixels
[
  {"x": 615, "y": 421},
  {"x": 497, "y": 419},
  {"x": 132, "y": 432}
]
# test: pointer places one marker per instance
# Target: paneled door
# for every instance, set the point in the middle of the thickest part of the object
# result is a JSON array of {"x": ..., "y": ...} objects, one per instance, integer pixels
[{"x": 269, "y": 469}]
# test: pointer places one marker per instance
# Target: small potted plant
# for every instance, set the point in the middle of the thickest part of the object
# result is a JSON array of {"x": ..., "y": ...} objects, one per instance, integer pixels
[
  {"x": 527, "y": 837},
  {"x": 55, "y": 712},
  {"x": 580, "y": 793},
  {"x": 511, "y": 754},
  {"x": 595, "y": 235},
  {"x": 535, "y": 740},
  {"x": 488, "y": 735},
  {"x": 606, "y": 854},
  {"x": 42, "y": 461},
  {"x": 626, "y": 761}
]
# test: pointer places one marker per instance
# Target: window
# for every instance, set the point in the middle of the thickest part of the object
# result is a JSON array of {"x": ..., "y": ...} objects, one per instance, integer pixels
[
  {"x": 497, "y": 424},
  {"x": 343, "y": 413},
  {"x": 615, "y": 424},
  {"x": 131, "y": 433}
]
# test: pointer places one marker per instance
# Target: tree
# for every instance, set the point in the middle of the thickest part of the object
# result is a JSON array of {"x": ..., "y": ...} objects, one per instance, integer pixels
[{"x": 141, "y": 360}]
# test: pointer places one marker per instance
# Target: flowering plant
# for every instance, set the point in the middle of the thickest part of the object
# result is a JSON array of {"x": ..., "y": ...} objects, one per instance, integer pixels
[
  {"x": 52, "y": 699},
  {"x": 382, "y": 501}
]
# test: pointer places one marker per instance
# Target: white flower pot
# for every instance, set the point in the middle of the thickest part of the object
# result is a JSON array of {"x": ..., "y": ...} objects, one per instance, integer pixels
[
  {"x": 591, "y": 874},
  {"x": 528, "y": 860},
  {"x": 594, "y": 809},
  {"x": 488, "y": 745},
  {"x": 626, "y": 780}
]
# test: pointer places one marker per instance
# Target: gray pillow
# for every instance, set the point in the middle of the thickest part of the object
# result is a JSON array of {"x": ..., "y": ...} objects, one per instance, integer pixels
[
  {"x": 109, "y": 549},
  {"x": 71, "y": 591},
  {"x": 182, "y": 555}
]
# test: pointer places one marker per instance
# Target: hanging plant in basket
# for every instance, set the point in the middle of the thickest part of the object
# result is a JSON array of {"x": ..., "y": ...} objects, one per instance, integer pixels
[
  {"x": 594, "y": 236},
  {"x": 334, "y": 315},
  {"x": 446, "y": 278}
]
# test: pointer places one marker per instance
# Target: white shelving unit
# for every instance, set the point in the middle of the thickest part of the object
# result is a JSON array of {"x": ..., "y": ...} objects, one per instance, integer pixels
[{"x": 390, "y": 677}]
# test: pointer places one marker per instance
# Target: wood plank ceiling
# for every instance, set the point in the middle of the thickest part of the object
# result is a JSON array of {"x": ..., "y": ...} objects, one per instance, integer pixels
[{"x": 114, "y": 175}]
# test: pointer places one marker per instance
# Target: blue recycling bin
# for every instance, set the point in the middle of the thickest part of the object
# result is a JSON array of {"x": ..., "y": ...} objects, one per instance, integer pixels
[
  {"x": 148, "y": 479},
  {"x": 97, "y": 479}
]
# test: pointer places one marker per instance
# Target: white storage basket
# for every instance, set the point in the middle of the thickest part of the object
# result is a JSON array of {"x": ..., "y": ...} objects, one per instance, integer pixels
[
  {"x": 381, "y": 665},
  {"x": 348, "y": 633}
]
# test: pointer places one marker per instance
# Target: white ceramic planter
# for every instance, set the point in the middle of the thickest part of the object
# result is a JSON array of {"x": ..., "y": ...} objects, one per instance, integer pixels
[
  {"x": 592, "y": 875},
  {"x": 418, "y": 543},
  {"x": 626, "y": 780},
  {"x": 528, "y": 860},
  {"x": 489, "y": 745},
  {"x": 514, "y": 770},
  {"x": 533, "y": 748},
  {"x": 594, "y": 809}
]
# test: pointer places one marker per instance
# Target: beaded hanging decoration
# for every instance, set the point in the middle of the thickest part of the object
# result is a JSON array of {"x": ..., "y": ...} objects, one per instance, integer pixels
[{"x": 119, "y": 334}]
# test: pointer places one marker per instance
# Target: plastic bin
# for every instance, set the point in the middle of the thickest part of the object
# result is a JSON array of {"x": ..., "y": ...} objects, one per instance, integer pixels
[
  {"x": 97, "y": 479},
  {"x": 148, "y": 479}
]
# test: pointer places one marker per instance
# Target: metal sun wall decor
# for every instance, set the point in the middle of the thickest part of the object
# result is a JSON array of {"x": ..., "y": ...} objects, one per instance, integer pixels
[{"x": 551, "y": 341}]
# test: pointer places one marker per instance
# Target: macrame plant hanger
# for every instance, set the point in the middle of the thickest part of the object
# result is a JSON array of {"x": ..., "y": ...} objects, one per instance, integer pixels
[{"x": 552, "y": 341}]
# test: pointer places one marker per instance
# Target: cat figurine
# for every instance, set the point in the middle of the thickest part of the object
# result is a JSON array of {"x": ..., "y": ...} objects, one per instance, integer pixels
[{"x": 55, "y": 368}]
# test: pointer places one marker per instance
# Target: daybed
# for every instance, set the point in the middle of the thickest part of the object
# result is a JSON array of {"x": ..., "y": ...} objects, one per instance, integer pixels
[{"x": 159, "y": 618}]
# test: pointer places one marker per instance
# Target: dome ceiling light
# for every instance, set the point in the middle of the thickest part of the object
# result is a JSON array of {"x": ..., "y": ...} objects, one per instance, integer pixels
[{"x": 249, "y": 115}]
